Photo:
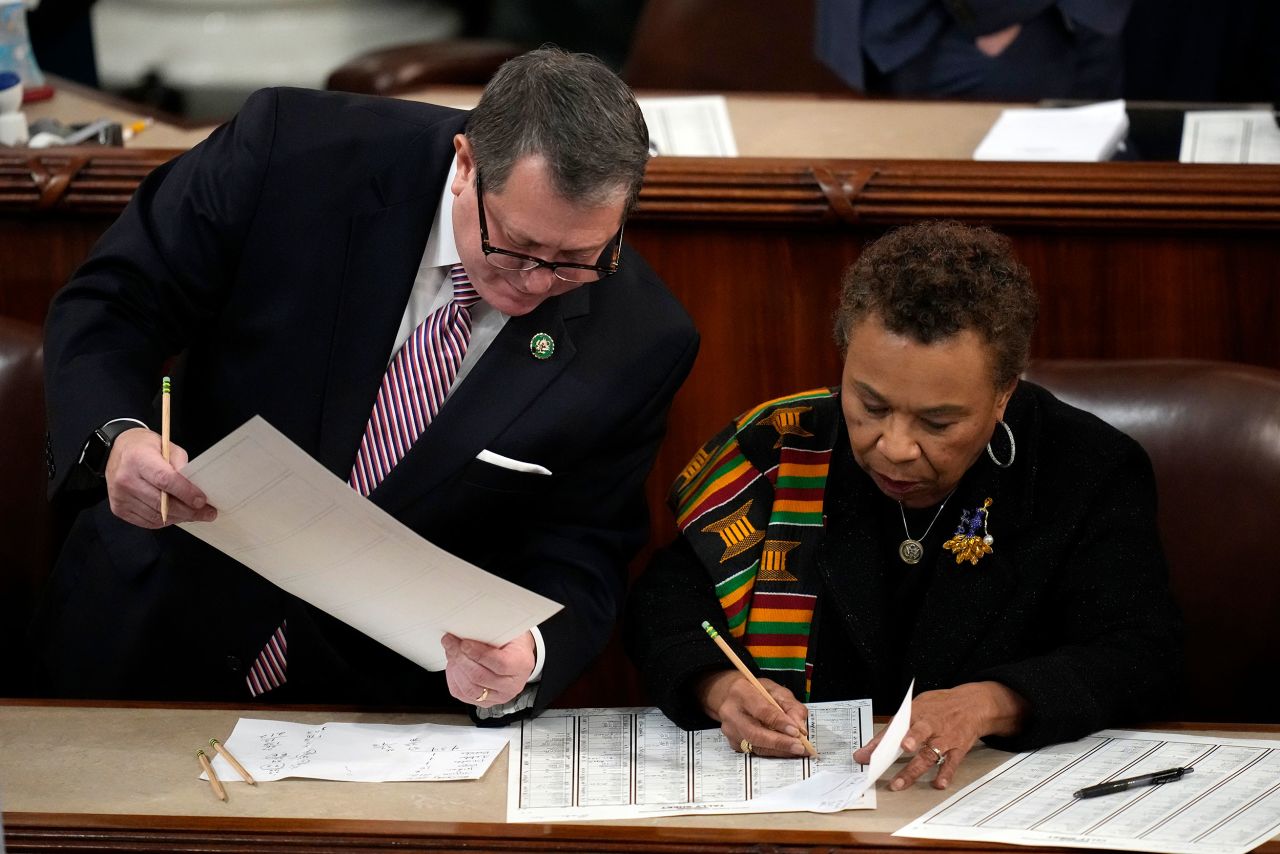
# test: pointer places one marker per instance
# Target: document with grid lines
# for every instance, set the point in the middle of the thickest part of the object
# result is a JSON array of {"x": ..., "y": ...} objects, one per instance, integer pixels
[
  {"x": 576, "y": 764},
  {"x": 1229, "y": 804}
]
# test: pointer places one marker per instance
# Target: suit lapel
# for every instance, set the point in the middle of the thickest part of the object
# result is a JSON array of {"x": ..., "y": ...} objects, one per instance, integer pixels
[
  {"x": 505, "y": 384},
  {"x": 384, "y": 251}
]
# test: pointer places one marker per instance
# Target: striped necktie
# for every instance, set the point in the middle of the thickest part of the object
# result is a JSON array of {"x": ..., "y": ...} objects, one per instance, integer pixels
[{"x": 412, "y": 392}]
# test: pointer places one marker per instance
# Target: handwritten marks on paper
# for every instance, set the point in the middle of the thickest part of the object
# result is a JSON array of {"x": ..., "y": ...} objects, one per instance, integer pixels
[{"x": 371, "y": 753}]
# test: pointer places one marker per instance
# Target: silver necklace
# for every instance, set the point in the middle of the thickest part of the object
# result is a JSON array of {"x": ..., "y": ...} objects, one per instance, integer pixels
[{"x": 911, "y": 549}]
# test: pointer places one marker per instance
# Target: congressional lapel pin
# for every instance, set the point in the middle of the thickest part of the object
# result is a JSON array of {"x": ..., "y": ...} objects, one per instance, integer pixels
[
  {"x": 542, "y": 346},
  {"x": 966, "y": 544}
]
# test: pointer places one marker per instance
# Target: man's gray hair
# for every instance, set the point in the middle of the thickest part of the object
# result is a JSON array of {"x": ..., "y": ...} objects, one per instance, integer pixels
[{"x": 574, "y": 112}]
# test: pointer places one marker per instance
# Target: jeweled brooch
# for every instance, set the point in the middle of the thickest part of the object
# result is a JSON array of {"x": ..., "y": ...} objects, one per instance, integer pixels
[{"x": 966, "y": 543}]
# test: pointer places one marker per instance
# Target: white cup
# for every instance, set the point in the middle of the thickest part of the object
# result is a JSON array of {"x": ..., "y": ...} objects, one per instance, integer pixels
[{"x": 13, "y": 129}]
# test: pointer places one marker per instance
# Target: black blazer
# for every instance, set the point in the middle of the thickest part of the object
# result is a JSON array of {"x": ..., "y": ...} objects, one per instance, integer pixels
[
  {"x": 1072, "y": 609},
  {"x": 278, "y": 256}
]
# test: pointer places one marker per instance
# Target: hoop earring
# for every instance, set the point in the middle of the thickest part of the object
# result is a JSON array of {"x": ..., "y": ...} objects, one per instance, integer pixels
[{"x": 1013, "y": 448}]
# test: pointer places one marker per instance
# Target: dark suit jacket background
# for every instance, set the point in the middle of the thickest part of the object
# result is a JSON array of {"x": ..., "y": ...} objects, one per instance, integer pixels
[
  {"x": 845, "y": 30},
  {"x": 1072, "y": 609},
  {"x": 280, "y": 254}
]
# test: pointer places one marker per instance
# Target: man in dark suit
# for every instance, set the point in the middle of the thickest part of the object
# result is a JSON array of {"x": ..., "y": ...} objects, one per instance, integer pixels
[
  {"x": 301, "y": 260},
  {"x": 1002, "y": 50}
]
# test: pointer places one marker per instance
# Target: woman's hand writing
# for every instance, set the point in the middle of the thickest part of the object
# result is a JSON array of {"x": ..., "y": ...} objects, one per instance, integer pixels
[{"x": 745, "y": 715}]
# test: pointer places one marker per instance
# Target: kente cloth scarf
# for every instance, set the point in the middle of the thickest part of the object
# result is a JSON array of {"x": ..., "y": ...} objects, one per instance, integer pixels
[{"x": 750, "y": 503}]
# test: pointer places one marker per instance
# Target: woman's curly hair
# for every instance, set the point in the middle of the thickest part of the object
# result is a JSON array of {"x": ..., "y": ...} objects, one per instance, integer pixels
[{"x": 930, "y": 280}]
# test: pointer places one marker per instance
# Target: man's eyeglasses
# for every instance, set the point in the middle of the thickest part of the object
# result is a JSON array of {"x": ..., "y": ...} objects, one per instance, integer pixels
[{"x": 505, "y": 259}]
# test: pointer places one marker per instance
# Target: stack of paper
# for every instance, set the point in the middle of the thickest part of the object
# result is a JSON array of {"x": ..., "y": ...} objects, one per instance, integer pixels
[
  {"x": 689, "y": 126},
  {"x": 1230, "y": 136},
  {"x": 1076, "y": 134}
]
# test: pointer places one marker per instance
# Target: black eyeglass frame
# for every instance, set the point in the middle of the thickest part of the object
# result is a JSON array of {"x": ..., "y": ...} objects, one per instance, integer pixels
[{"x": 554, "y": 266}]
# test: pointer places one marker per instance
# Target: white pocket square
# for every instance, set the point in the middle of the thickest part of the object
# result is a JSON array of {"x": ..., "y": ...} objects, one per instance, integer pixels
[{"x": 508, "y": 463}]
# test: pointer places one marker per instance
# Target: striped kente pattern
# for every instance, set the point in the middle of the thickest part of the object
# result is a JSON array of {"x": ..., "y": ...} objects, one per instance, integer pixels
[
  {"x": 735, "y": 598},
  {"x": 799, "y": 482},
  {"x": 762, "y": 571},
  {"x": 415, "y": 385},
  {"x": 777, "y": 634},
  {"x": 716, "y": 477}
]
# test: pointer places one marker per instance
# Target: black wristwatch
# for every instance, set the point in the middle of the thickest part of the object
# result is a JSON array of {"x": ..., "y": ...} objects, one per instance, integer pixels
[{"x": 98, "y": 449}]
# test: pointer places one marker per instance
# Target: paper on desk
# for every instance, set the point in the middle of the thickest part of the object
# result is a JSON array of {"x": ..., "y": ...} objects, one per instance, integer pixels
[
  {"x": 1229, "y": 136},
  {"x": 362, "y": 753},
  {"x": 578, "y": 764},
  {"x": 833, "y": 792},
  {"x": 689, "y": 126},
  {"x": 1077, "y": 134},
  {"x": 1230, "y": 804},
  {"x": 289, "y": 519}
]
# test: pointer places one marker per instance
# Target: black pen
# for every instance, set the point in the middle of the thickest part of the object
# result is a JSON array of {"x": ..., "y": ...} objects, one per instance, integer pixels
[{"x": 1153, "y": 779}]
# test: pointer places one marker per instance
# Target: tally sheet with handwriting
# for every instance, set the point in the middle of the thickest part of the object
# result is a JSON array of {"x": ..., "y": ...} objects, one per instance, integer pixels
[
  {"x": 365, "y": 753},
  {"x": 574, "y": 764},
  {"x": 295, "y": 523},
  {"x": 1230, "y": 804}
]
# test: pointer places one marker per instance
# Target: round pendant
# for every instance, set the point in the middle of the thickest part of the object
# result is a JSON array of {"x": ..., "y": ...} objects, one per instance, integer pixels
[{"x": 910, "y": 551}]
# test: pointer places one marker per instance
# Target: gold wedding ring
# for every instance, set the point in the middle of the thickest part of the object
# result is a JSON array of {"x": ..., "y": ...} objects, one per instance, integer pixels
[
  {"x": 744, "y": 746},
  {"x": 484, "y": 695},
  {"x": 941, "y": 754}
]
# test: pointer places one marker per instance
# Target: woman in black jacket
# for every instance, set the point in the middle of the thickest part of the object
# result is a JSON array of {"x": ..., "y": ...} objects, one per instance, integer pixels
[{"x": 932, "y": 518}]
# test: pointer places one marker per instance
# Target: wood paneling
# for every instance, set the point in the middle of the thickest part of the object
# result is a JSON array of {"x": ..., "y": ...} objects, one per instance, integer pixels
[{"x": 1130, "y": 259}]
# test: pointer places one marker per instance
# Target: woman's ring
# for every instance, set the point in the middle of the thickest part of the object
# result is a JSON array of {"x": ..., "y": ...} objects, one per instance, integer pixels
[
  {"x": 941, "y": 754},
  {"x": 484, "y": 695},
  {"x": 744, "y": 746}
]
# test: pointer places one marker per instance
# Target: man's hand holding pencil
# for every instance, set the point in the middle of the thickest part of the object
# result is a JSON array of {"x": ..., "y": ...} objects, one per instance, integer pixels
[{"x": 136, "y": 475}]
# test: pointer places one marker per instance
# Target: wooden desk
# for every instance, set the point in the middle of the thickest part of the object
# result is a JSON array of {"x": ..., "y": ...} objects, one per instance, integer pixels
[{"x": 125, "y": 779}]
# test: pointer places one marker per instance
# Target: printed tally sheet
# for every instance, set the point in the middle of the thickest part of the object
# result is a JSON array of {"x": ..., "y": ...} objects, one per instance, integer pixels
[
  {"x": 1229, "y": 804},
  {"x": 291, "y": 520},
  {"x": 576, "y": 764},
  {"x": 365, "y": 753}
]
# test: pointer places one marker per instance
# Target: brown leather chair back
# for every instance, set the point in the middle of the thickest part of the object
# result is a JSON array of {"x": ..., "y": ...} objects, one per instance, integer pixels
[
  {"x": 716, "y": 45},
  {"x": 728, "y": 45},
  {"x": 1212, "y": 430},
  {"x": 26, "y": 536}
]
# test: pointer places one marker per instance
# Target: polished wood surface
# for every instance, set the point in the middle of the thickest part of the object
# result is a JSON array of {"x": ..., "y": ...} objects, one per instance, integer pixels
[{"x": 124, "y": 778}]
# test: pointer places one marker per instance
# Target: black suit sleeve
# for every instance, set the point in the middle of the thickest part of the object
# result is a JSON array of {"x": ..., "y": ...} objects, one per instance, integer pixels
[{"x": 156, "y": 276}]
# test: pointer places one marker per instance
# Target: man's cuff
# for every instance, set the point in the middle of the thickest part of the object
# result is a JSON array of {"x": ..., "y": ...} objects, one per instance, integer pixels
[{"x": 540, "y": 648}]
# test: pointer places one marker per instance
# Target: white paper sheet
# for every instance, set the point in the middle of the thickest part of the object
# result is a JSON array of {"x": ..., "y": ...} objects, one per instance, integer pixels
[
  {"x": 577, "y": 764},
  {"x": 827, "y": 791},
  {"x": 1230, "y": 804},
  {"x": 689, "y": 126},
  {"x": 1229, "y": 136},
  {"x": 1072, "y": 134},
  {"x": 363, "y": 753},
  {"x": 289, "y": 519}
]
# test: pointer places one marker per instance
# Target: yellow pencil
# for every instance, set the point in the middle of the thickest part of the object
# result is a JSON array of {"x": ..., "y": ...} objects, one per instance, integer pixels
[
  {"x": 226, "y": 754},
  {"x": 214, "y": 782},
  {"x": 751, "y": 677},
  {"x": 164, "y": 445}
]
